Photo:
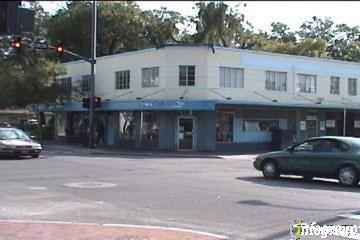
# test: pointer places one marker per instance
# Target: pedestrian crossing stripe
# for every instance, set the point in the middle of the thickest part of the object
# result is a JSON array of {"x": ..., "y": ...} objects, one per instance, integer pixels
[{"x": 350, "y": 215}]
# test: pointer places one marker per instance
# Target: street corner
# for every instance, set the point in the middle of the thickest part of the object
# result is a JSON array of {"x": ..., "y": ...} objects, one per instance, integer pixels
[{"x": 42, "y": 230}]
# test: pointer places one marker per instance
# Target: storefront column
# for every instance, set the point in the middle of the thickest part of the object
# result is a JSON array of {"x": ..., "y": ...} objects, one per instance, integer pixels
[{"x": 344, "y": 126}]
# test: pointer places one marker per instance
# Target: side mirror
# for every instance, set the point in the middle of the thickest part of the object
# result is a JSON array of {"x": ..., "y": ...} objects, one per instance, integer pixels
[{"x": 290, "y": 149}]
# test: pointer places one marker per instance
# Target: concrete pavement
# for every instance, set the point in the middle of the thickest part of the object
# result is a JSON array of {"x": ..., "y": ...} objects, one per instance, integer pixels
[{"x": 224, "y": 196}]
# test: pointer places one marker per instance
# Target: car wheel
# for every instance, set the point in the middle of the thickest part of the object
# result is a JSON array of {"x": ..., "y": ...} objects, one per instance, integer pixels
[
  {"x": 348, "y": 176},
  {"x": 270, "y": 170},
  {"x": 35, "y": 155},
  {"x": 308, "y": 177}
]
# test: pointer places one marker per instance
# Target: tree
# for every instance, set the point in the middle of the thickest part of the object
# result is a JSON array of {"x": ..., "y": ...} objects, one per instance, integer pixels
[
  {"x": 122, "y": 27},
  {"x": 28, "y": 76},
  {"x": 346, "y": 43},
  {"x": 27, "y": 79},
  {"x": 281, "y": 31},
  {"x": 217, "y": 24}
]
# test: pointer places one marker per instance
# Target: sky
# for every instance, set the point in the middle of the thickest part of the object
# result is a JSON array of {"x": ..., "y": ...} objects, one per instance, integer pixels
[{"x": 262, "y": 13}]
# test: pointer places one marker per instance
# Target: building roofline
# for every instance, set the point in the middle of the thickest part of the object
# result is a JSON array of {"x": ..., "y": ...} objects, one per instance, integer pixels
[
  {"x": 213, "y": 47},
  {"x": 284, "y": 55},
  {"x": 187, "y": 45},
  {"x": 118, "y": 54}
]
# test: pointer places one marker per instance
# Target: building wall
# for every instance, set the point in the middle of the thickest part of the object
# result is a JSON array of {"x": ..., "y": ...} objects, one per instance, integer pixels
[
  {"x": 166, "y": 130},
  {"x": 207, "y": 66},
  {"x": 206, "y": 131}
]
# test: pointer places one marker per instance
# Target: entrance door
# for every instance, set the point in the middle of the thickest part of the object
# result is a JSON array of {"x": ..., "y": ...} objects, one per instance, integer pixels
[
  {"x": 311, "y": 128},
  {"x": 186, "y": 133}
]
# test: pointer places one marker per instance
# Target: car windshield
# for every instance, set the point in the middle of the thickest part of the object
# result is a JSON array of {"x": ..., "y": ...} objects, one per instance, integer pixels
[{"x": 12, "y": 134}]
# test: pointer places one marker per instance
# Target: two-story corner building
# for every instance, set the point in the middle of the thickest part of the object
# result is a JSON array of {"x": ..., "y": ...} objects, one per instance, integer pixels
[{"x": 203, "y": 97}]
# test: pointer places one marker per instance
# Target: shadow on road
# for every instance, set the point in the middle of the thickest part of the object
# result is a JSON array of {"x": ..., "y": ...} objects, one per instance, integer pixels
[
  {"x": 300, "y": 183},
  {"x": 15, "y": 158},
  {"x": 130, "y": 155}
]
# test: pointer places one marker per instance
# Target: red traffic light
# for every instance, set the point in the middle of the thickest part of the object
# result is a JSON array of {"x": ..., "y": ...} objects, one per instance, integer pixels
[
  {"x": 97, "y": 102},
  {"x": 59, "y": 48},
  {"x": 16, "y": 44}
]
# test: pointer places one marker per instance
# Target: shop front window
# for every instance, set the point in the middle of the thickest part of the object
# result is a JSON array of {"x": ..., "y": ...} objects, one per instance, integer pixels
[
  {"x": 150, "y": 129},
  {"x": 61, "y": 123},
  {"x": 260, "y": 125},
  {"x": 126, "y": 125},
  {"x": 224, "y": 127},
  {"x": 76, "y": 125}
]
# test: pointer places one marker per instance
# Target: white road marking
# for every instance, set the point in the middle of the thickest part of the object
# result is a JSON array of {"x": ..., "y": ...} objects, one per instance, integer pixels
[
  {"x": 238, "y": 157},
  {"x": 350, "y": 215},
  {"x": 126, "y": 225},
  {"x": 37, "y": 188}
]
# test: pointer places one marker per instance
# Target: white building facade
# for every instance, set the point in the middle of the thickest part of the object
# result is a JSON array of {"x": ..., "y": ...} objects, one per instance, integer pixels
[{"x": 205, "y": 98}]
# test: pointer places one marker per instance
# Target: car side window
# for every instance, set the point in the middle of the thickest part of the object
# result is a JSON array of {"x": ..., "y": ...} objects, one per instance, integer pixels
[
  {"x": 304, "y": 147},
  {"x": 344, "y": 147}
]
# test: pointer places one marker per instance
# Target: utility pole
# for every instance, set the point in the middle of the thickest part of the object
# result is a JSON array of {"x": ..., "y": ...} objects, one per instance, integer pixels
[{"x": 92, "y": 78}]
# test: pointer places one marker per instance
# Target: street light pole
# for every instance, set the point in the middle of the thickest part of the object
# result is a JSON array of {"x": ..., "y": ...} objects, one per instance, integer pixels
[{"x": 92, "y": 78}]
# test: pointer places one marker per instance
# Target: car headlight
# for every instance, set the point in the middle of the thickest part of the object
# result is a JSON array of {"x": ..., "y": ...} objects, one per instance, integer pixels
[
  {"x": 3, "y": 146},
  {"x": 37, "y": 146}
]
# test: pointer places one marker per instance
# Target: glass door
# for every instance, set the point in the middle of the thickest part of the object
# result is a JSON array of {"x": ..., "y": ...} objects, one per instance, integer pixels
[
  {"x": 311, "y": 128},
  {"x": 185, "y": 134}
]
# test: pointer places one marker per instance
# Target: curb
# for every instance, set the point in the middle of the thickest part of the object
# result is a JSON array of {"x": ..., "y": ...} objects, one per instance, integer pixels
[
  {"x": 101, "y": 151},
  {"x": 63, "y": 230}
]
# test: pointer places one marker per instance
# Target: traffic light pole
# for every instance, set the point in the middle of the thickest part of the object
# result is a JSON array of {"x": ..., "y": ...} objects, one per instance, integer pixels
[
  {"x": 92, "y": 78},
  {"x": 92, "y": 61}
]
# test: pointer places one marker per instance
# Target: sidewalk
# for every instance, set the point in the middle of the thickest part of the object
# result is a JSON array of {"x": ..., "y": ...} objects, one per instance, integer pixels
[
  {"x": 42, "y": 230},
  {"x": 70, "y": 148}
]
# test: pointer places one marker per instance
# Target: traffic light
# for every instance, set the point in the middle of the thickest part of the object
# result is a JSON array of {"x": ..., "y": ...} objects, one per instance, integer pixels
[
  {"x": 16, "y": 43},
  {"x": 86, "y": 103},
  {"x": 59, "y": 48},
  {"x": 15, "y": 19},
  {"x": 97, "y": 102}
]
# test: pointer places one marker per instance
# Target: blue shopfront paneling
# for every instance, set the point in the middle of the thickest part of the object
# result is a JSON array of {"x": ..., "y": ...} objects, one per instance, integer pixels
[
  {"x": 160, "y": 105},
  {"x": 283, "y": 104},
  {"x": 131, "y": 105}
]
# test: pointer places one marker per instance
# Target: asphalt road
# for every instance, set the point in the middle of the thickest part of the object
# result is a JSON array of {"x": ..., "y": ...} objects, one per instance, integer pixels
[{"x": 221, "y": 196}]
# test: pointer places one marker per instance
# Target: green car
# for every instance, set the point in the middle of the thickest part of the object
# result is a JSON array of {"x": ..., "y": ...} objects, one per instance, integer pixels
[{"x": 327, "y": 157}]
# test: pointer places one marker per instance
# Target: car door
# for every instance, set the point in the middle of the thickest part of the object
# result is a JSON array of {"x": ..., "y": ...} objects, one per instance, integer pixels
[
  {"x": 290, "y": 161},
  {"x": 322, "y": 158},
  {"x": 329, "y": 156},
  {"x": 302, "y": 155}
]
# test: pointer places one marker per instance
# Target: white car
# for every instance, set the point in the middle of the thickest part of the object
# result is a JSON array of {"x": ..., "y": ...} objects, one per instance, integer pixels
[{"x": 15, "y": 142}]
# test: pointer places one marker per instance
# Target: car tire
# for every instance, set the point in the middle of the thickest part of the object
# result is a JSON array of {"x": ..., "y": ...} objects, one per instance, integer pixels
[
  {"x": 348, "y": 176},
  {"x": 270, "y": 170},
  {"x": 35, "y": 155}
]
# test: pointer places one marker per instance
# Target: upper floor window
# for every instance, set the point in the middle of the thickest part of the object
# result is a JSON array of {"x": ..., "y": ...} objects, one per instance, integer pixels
[
  {"x": 150, "y": 77},
  {"x": 122, "y": 80},
  {"x": 352, "y": 86},
  {"x": 186, "y": 75},
  {"x": 66, "y": 85},
  {"x": 231, "y": 77},
  {"x": 86, "y": 83},
  {"x": 275, "y": 81},
  {"x": 306, "y": 83},
  {"x": 335, "y": 85}
]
